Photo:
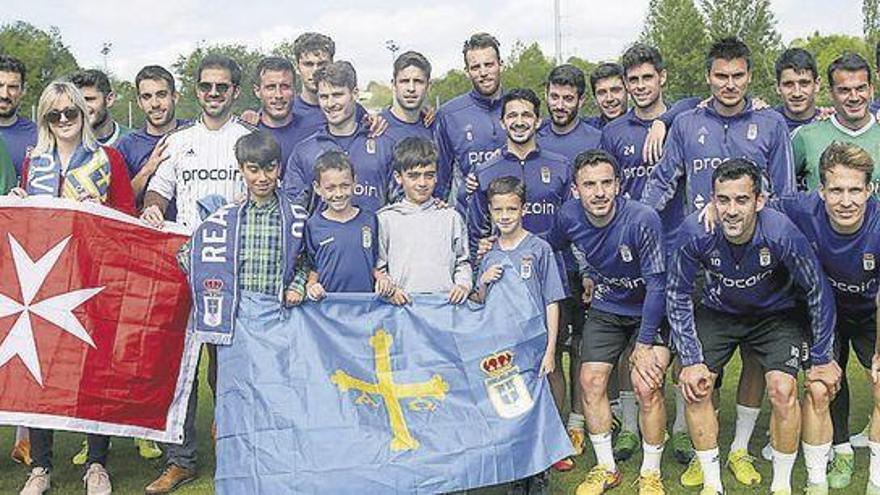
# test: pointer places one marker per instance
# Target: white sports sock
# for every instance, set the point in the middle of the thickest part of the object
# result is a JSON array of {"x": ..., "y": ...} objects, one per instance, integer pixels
[
  {"x": 711, "y": 468},
  {"x": 651, "y": 458},
  {"x": 680, "y": 423},
  {"x": 604, "y": 452},
  {"x": 874, "y": 469},
  {"x": 844, "y": 448},
  {"x": 816, "y": 460},
  {"x": 576, "y": 421},
  {"x": 21, "y": 433},
  {"x": 630, "y": 411},
  {"x": 746, "y": 417},
  {"x": 782, "y": 465}
]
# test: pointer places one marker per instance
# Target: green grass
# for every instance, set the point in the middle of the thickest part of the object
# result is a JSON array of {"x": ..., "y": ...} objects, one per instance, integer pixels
[{"x": 130, "y": 473}]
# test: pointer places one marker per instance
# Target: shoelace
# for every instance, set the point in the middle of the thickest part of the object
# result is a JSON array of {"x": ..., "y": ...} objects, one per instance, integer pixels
[
  {"x": 652, "y": 481},
  {"x": 101, "y": 474},
  {"x": 597, "y": 475}
]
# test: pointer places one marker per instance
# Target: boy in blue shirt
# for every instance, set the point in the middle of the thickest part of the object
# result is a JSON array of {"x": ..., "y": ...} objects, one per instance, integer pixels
[
  {"x": 518, "y": 253},
  {"x": 342, "y": 239}
]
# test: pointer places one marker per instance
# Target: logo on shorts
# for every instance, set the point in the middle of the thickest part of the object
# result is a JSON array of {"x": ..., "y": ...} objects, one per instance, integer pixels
[
  {"x": 366, "y": 237},
  {"x": 795, "y": 361},
  {"x": 625, "y": 253},
  {"x": 752, "y": 132},
  {"x": 764, "y": 256},
  {"x": 213, "y": 302},
  {"x": 525, "y": 268},
  {"x": 545, "y": 175},
  {"x": 371, "y": 146},
  {"x": 868, "y": 262},
  {"x": 505, "y": 386}
]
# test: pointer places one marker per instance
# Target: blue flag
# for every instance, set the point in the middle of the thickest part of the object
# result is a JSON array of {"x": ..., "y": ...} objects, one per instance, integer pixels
[{"x": 354, "y": 395}]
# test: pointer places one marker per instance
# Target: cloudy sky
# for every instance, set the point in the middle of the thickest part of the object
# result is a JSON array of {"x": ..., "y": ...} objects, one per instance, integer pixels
[{"x": 156, "y": 31}]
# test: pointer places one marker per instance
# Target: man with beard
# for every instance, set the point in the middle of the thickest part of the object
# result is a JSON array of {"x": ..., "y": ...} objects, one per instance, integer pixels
[
  {"x": 609, "y": 91},
  {"x": 274, "y": 86},
  {"x": 143, "y": 149},
  {"x": 469, "y": 130},
  {"x": 19, "y": 132},
  {"x": 95, "y": 87},
  {"x": 410, "y": 85},
  {"x": 201, "y": 161}
]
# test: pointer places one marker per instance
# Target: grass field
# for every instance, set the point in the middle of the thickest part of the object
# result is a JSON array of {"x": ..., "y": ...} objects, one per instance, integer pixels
[{"x": 130, "y": 473}]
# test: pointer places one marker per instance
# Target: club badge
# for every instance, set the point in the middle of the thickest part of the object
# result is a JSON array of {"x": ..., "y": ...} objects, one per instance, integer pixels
[
  {"x": 868, "y": 262},
  {"x": 625, "y": 253},
  {"x": 213, "y": 302},
  {"x": 366, "y": 237},
  {"x": 505, "y": 385},
  {"x": 468, "y": 133},
  {"x": 545, "y": 175},
  {"x": 752, "y": 132},
  {"x": 371, "y": 146},
  {"x": 525, "y": 268},
  {"x": 764, "y": 257}
]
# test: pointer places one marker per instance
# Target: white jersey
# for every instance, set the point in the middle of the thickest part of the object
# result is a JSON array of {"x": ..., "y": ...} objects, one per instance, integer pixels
[{"x": 201, "y": 162}]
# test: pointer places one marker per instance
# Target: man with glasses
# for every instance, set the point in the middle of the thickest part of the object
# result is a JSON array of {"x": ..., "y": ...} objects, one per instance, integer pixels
[{"x": 201, "y": 162}]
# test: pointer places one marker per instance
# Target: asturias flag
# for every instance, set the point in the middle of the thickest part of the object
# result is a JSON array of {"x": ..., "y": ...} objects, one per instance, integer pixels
[
  {"x": 93, "y": 314},
  {"x": 354, "y": 395}
]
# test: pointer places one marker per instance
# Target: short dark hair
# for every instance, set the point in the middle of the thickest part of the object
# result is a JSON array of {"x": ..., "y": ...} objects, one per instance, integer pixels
[
  {"x": 8, "y": 63},
  {"x": 479, "y": 41},
  {"x": 273, "y": 63},
  {"x": 154, "y": 73},
  {"x": 798, "y": 60},
  {"x": 521, "y": 94},
  {"x": 735, "y": 168},
  {"x": 507, "y": 185},
  {"x": 414, "y": 59},
  {"x": 568, "y": 75},
  {"x": 595, "y": 157},
  {"x": 92, "y": 78},
  {"x": 728, "y": 48},
  {"x": 339, "y": 73},
  {"x": 414, "y": 152},
  {"x": 313, "y": 42},
  {"x": 332, "y": 160},
  {"x": 604, "y": 71},
  {"x": 218, "y": 61},
  {"x": 641, "y": 53},
  {"x": 258, "y": 147},
  {"x": 849, "y": 155},
  {"x": 849, "y": 62}
]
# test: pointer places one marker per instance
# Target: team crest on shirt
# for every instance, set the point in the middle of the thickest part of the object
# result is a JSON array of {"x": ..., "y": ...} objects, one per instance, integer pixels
[
  {"x": 868, "y": 262},
  {"x": 366, "y": 237},
  {"x": 507, "y": 390},
  {"x": 545, "y": 175},
  {"x": 625, "y": 253},
  {"x": 469, "y": 133},
  {"x": 213, "y": 302},
  {"x": 752, "y": 132},
  {"x": 371, "y": 146},
  {"x": 764, "y": 256},
  {"x": 525, "y": 268}
]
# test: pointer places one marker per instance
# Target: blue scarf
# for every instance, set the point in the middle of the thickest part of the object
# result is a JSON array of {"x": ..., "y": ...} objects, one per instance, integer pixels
[
  {"x": 214, "y": 263},
  {"x": 88, "y": 172}
]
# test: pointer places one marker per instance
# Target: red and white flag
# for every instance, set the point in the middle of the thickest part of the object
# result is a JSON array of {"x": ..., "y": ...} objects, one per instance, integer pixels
[{"x": 93, "y": 321}]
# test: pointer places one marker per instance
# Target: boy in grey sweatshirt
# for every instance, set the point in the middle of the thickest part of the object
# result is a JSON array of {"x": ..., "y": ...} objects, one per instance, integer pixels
[{"x": 423, "y": 245}]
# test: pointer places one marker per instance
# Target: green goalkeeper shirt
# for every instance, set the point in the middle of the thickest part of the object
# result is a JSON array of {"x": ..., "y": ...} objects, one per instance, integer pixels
[{"x": 809, "y": 141}]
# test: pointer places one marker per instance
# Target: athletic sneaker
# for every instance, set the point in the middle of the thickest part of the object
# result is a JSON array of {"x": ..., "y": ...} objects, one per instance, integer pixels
[
  {"x": 38, "y": 482},
  {"x": 780, "y": 492},
  {"x": 147, "y": 449},
  {"x": 816, "y": 489},
  {"x": 692, "y": 477},
  {"x": 651, "y": 484},
  {"x": 682, "y": 448},
  {"x": 564, "y": 465},
  {"x": 97, "y": 481},
  {"x": 577, "y": 437},
  {"x": 860, "y": 440},
  {"x": 708, "y": 490},
  {"x": 598, "y": 481},
  {"x": 626, "y": 444},
  {"x": 841, "y": 470},
  {"x": 21, "y": 452},
  {"x": 82, "y": 456},
  {"x": 742, "y": 465},
  {"x": 872, "y": 489}
]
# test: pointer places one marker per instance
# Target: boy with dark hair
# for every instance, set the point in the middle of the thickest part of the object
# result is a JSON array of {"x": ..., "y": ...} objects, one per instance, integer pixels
[
  {"x": 607, "y": 86},
  {"x": 520, "y": 254},
  {"x": 797, "y": 82},
  {"x": 342, "y": 240},
  {"x": 423, "y": 247}
]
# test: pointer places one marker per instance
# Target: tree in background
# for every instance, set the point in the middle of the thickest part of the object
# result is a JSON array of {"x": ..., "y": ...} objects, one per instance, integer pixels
[
  {"x": 186, "y": 65},
  {"x": 678, "y": 30},
  {"x": 826, "y": 49},
  {"x": 43, "y": 53},
  {"x": 871, "y": 22}
]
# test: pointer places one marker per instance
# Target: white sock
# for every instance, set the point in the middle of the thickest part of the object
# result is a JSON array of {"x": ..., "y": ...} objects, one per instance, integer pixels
[
  {"x": 746, "y": 417},
  {"x": 816, "y": 460},
  {"x": 575, "y": 421},
  {"x": 630, "y": 411},
  {"x": 651, "y": 458},
  {"x": 680, "y": 423},
  {"x": 874, "y": 469},
  {"x": 844, "y": 449},
  {"x": 711, "y": 468},
  {"x": 21, "y": 433},
  {"x": 604, "y": 452},
  {"x": 782, "y": 465}
]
